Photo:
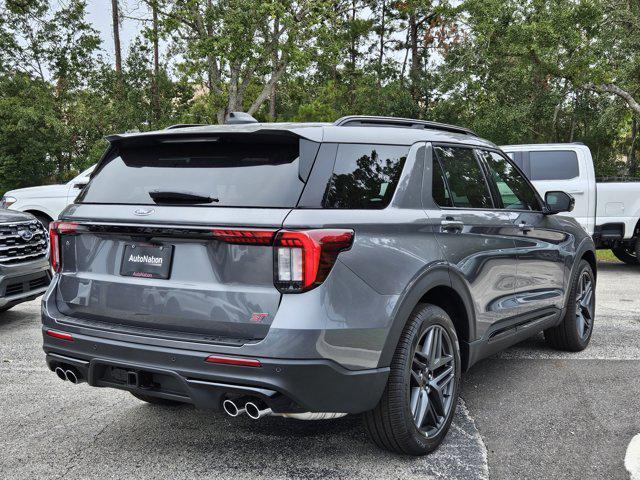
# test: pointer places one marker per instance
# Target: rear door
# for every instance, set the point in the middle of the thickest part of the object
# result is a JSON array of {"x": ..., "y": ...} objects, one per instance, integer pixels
[
  {"x": 174, "y": 239},
  {"x": 539, "y": 286},
  {"x": 476, "y": 238}
]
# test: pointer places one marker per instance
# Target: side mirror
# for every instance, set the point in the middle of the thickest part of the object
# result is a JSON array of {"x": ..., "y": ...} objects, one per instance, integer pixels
[
  {"x": 81, "y": 184},
  {"x": 558, "y": 202}
]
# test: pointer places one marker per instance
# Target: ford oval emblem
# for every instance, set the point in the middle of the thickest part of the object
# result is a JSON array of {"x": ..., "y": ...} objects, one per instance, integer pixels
[
  {"x": 26, "y": 235},
  {"x": 143, "y": 212}
]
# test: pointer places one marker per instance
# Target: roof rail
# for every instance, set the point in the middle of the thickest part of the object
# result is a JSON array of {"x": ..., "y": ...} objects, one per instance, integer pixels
[
  {"x": 374, "y": 121},
  {"x": 185, "y": 125}
]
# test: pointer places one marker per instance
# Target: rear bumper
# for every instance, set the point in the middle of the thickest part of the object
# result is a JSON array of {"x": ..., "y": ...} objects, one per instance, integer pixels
[{"x": 183, "y": 375}]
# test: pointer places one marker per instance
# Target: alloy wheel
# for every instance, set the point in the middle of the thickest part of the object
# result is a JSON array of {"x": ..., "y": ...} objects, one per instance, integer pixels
[
  {"x": 585, "y": 305},
  {"x": 432, "y": 382}
]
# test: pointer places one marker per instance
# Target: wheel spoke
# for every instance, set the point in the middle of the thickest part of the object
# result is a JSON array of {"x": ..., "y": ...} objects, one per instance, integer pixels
[
  {"x": 417, "y": 363},
  {"x": 581, "y": 323},
  {"x": 436, "y": 348},
  {"x": 426, "y": 347},
  {"x": 438, "y": 381},
  {"x": 415, "y": 377},
  {"x": 422, "y": 404}
]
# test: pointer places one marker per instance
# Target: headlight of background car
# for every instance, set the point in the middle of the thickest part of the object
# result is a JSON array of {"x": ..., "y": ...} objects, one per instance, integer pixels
[{"x": 6, "y": 201}]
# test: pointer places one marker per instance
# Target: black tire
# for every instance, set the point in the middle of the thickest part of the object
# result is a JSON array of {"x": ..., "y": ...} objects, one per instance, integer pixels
[
  {"x": 572, "y": 335},
  {"x": 627, "y": 255},
  {"x": 391, "y": 424},
  {"x": 157, "y": 400}
]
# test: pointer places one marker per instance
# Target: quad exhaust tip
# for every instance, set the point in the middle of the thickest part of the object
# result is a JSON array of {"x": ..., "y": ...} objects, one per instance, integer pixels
[
  {"x": 255, "y": 412},
  {"x": 231, "y": 408},
  {"x": 70, "y": 374},
  {"x": 72, "y": 377},
  {"x": 61, "y": 374}
]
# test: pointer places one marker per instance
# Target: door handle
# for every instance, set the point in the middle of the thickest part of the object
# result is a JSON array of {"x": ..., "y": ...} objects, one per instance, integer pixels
[
  {"x": 451, "y": 225},
  {"x": 525, "y": 227}
]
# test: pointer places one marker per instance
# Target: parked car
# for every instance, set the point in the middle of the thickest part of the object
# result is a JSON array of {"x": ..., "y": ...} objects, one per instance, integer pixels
[
  {"x": 608, "y": 209},
  {"x": 311, "y": 271},
  {"x": 47, "y": 201},
  {"x": 24, "y": 262}
]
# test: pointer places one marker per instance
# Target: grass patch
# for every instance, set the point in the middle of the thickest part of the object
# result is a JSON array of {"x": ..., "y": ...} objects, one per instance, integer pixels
[{"x": 606, "y": 256}]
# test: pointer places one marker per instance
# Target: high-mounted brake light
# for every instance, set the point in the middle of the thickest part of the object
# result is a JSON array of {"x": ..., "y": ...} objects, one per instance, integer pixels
[
  {"x": 55, "y": 230},
  {"x": 244, "y": 236},
  {"x": 304, "y": 258}
]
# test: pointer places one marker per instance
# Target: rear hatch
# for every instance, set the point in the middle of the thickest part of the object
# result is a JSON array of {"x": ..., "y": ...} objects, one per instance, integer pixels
[{"x": 174, "y": 238}]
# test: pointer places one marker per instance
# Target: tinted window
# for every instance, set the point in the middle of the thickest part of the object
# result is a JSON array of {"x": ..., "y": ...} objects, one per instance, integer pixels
[
  {"x": 237, "y": 174},
  {"x": 553, "y": 165},
  {"x": 464, "y": 177},
  {"x": 364, "y": 176},
  {"x": 439, "y": 188},
  {"x": 515, "y": 193}
]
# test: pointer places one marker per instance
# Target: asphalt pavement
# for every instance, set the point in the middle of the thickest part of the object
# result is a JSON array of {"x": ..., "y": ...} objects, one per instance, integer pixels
[{"x": 528, "y": 412}]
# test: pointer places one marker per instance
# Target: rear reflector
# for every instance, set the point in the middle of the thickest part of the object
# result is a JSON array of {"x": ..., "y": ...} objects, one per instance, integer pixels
[
  {"x": 244, "y": 236},
  {"x": 60, "y": 335},
  {"x": 243, "y": 362}
]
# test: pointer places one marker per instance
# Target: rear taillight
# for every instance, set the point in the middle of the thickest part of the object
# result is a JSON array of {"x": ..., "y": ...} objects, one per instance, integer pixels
[
  {"x": 304, "y": 258},
  {"x": 243, "y": 236},
  {"x": 56, "y": 229}
]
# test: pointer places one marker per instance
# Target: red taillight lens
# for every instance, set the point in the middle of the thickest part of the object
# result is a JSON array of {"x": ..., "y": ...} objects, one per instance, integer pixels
[
  {"x": 304, "y": 258},
  {"x": 244, "y": 236},
  {"x": 55, "y": 230}
]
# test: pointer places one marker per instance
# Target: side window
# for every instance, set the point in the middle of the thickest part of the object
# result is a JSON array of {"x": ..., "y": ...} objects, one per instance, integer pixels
[
  {"x": 464, "y": 177},
  {"x": 439, "y": 187},
  {"x": 551, "y": 165},
  {"x": 364, "y": 176},
  {"x": 514, "y": 191}
]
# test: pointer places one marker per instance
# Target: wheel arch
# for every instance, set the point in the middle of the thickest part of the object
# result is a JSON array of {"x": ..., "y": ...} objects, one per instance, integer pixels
[
  {"x": 444, "y": 289},
  {"x": 37, "y": 213}
]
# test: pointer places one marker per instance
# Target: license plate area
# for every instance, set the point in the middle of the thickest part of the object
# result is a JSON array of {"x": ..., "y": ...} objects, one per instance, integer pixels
[{"x": 147, "y": 261}]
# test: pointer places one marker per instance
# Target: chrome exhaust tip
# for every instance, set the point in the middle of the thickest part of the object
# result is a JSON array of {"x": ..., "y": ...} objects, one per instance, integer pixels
[
  {"x": 231, "y": 409},
  {"x": 255, "y": 412},
  {"x": 61, "y": 374},
  {"x": 72, "y": 377}
]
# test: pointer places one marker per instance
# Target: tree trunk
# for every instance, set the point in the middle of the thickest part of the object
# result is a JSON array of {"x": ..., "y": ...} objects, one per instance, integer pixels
[
  {"x": 633, "y": 167},
  {"x": 116, "y": 35},
  {"x": 382, "y": 33},
  {"x": 155, "y": 87},
  {"x": 276, "y": 61},
  {"x": 414, "y": 72}
]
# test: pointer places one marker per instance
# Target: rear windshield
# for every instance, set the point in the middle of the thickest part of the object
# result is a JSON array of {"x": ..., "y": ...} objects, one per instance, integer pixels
[{"x": 231, "y": 174}]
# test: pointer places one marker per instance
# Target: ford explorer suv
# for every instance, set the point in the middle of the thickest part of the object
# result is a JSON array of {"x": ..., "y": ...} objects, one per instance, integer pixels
[
  {"x": 311, "y": 271},
  {"x": 24, "y": 264}
]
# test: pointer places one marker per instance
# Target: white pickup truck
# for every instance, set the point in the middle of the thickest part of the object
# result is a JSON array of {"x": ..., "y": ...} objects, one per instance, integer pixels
[
  {"x": 46, "y": 202},
  {"x": 608, "y": 210}
]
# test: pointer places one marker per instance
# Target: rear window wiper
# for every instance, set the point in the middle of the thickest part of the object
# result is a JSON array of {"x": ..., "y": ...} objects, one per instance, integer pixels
[{"x": 160, "y": 196}]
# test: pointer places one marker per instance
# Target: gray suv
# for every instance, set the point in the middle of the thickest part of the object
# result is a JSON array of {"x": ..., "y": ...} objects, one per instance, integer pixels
[{"x": 311, "y": 271}]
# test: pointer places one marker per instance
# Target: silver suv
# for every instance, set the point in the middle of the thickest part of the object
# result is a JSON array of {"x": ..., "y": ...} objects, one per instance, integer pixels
[{"x": 311, "y": 271}]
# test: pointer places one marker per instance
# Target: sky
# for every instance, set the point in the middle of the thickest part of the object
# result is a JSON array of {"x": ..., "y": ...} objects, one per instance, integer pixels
[{"x": 99, "y": 15}]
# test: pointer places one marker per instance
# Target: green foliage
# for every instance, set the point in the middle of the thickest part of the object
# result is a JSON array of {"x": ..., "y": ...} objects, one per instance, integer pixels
[{"x": 515, "y": 71}]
